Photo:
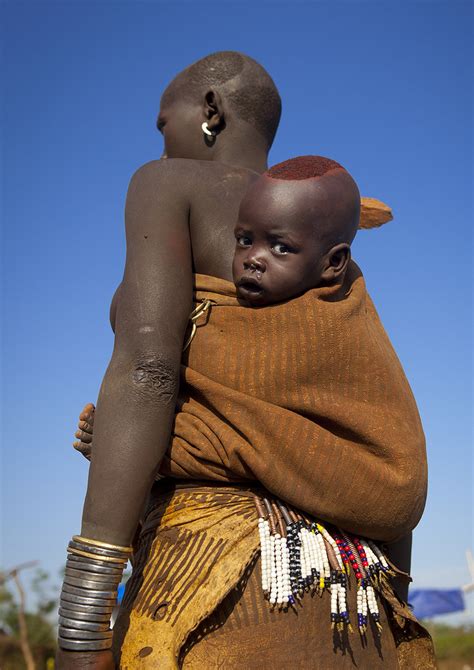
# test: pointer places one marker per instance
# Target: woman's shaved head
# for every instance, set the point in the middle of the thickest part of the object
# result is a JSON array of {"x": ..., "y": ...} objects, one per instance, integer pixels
[{"x": 246, "y": 86}]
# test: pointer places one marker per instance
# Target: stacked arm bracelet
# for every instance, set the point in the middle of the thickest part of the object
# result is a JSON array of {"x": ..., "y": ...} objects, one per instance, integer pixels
[{"x": 93, "y": 573}]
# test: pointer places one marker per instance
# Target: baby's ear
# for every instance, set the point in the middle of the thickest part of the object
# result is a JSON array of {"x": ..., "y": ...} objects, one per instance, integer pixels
[{"x": 335, "y": 263}]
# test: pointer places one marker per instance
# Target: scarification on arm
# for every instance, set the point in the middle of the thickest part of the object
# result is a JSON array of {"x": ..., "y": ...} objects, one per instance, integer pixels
[{"x": 156, "y": 377}]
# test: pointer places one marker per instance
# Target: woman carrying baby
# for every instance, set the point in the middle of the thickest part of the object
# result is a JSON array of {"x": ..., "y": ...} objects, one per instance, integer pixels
[{"x": 255, "y": 441}]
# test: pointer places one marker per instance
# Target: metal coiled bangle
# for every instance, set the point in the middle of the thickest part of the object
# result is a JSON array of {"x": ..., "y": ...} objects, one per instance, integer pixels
[{"x": 93, "y": 573}]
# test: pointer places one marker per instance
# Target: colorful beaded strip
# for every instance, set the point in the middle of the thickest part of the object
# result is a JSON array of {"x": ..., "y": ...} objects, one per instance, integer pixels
[{"x": 298, "y": 555}]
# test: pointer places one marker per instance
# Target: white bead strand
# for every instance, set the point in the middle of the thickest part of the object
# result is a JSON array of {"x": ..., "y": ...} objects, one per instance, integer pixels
[{"x": 273, "y": 572}]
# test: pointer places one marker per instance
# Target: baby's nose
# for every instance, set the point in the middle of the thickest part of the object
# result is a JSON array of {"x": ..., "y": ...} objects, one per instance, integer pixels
[{"x": 254, "y": 264}]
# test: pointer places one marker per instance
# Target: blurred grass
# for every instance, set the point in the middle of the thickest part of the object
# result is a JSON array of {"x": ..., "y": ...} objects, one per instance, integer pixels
[{"x": 454, "y": 645}]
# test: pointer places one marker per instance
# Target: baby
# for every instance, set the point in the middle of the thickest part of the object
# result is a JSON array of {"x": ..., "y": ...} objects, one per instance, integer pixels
[
  {"x": 296, "y": 224},
  {"x": 295, "y": 227}
]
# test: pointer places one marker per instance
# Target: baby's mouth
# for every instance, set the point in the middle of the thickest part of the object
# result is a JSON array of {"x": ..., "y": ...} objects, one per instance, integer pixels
[{"x": 249, "y": 287}]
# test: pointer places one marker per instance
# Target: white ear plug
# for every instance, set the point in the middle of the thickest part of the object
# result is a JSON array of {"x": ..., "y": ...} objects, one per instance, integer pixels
[{"x": 206, "y": 131}]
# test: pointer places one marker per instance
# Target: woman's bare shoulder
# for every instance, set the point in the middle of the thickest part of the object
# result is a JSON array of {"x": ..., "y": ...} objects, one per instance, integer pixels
[{"x": 184, "y": 172}]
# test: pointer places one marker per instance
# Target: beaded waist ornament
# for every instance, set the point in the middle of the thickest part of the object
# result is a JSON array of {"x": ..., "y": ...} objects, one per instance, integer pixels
[
  {"x": 298, "y": 555},
  {"x": 93, "y": 573}
]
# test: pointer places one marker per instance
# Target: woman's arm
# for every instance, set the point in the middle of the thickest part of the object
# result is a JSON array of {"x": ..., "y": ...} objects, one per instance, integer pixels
[{"x": 136, "y": 404}]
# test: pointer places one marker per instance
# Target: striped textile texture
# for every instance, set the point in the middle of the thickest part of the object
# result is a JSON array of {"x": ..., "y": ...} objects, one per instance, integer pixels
[
  {"x": 309, "y": 399},
  {"x": 194, "y": 548}
]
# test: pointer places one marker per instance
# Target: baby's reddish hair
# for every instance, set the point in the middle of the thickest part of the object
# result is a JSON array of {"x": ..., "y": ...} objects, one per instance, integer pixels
[{"x": 303, "y": 167}]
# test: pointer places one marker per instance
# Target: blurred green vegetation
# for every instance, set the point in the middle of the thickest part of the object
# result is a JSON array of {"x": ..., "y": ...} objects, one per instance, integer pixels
[
  {"x": 454, "y": 645},
  {"x": 41, "y": 631}
]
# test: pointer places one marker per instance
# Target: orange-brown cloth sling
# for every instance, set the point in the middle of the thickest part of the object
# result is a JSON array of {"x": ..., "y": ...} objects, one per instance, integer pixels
[{"x": 309, "y": 399}]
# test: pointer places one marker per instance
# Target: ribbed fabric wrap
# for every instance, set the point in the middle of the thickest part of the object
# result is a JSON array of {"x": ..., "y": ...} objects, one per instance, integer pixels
[{"x": 309, "y": 399}]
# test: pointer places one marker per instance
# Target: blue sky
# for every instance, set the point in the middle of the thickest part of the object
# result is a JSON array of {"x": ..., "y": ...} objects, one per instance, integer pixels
[{"x": 382, "y": 87}]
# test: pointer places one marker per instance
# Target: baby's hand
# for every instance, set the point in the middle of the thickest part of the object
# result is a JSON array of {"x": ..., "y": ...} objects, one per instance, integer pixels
[{"x": 85, "y": 432}]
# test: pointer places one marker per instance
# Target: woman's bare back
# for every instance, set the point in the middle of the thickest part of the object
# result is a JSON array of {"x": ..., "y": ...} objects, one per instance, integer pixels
[{"x": 213, "y": 216}]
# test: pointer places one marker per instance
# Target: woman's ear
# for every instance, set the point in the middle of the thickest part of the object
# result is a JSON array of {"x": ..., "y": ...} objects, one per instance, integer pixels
[
  {"x": 214, "y": 112},
  {"x": 335, "y": 263}
]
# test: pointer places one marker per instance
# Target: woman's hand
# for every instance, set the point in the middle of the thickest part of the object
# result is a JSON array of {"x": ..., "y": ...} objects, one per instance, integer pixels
[
  {"x": 85, "y": 431},
  {"x": 82, "y": 660}
]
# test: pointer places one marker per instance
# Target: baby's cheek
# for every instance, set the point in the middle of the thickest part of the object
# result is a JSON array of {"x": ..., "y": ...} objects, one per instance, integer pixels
[
  {"x": 280, "y": 288},
  {"x": 288, "y": 281},
  {"x": 236, "y": 266}
]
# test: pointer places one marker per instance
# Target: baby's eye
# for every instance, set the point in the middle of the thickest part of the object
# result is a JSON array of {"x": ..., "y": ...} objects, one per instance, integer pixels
[
  {"x": 281, "y": 248},
  {"x": 243, "y": 241}
]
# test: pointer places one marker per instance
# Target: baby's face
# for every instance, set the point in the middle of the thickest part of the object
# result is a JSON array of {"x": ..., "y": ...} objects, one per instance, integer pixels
[{"x": 278, "y": 254}]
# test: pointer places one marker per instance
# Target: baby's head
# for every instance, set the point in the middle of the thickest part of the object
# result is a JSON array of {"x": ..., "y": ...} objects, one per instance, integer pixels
[{"x": 296, "y": 224}]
